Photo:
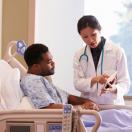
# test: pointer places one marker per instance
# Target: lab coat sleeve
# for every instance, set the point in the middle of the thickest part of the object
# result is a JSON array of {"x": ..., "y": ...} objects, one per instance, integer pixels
[
  {"x": 81, "y": 83},
  {"x": 123, "y": 79}
]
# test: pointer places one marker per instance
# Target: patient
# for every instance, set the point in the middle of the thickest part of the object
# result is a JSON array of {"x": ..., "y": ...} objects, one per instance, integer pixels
[{"x": 41, "y": 92}]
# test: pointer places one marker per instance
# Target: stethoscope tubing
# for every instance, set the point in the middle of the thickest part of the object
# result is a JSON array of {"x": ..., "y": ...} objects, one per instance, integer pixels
[
  {"x": 85, "y": 54},
  {"x": 102, "y": 60}
]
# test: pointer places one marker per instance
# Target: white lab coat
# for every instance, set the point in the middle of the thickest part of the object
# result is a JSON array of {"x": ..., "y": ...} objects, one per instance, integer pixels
[{"x": 114, "y": 60}]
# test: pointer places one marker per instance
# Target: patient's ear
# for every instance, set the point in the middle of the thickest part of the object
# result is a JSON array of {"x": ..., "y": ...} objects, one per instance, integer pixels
[
  {"x": 36, "y": 66},
  {"x": 35, "y": 69}
]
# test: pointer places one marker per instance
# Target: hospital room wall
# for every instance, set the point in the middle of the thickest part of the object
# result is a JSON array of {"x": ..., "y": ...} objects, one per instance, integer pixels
[
  {"x": 16, "y": 22},
  {"x": 55, "y": 26},
  {"x": 0, "y": 25}
]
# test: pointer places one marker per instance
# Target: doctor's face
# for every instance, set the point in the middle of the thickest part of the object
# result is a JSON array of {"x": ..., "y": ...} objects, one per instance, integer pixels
[{"x": 91, "y": 36}]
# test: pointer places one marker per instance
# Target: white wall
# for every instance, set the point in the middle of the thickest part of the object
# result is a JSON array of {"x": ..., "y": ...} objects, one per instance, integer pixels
[{"x": 55, "y": 26}]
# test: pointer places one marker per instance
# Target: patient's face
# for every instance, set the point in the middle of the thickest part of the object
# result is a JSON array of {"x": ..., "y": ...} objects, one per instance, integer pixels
[{"x": 47, "y": 65}]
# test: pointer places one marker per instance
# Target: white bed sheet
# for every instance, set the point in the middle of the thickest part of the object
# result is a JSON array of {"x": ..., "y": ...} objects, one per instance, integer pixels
[{"x": 112, "y": 120}]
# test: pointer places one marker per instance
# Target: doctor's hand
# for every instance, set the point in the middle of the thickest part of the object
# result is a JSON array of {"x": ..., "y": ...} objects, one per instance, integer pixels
[
  {"x": 102, "y": 78},
  {"x": 110, "y": 89},
  {"x": 99, "y": 79}
]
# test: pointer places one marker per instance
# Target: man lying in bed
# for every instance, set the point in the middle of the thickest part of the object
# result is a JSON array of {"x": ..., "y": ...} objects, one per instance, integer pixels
[{"x": 38, "y": 89}]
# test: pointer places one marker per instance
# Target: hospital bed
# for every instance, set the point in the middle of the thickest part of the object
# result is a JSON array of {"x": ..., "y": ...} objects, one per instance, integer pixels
[{"x": 24, "y": 118}]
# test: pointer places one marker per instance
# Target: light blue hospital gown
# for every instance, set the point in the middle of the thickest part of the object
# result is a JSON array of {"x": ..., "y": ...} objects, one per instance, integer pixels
[{"x": 40, "y": 92}]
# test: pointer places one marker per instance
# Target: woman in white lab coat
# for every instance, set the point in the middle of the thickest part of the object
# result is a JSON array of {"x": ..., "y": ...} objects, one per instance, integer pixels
[{"x": 95, "y": 62}]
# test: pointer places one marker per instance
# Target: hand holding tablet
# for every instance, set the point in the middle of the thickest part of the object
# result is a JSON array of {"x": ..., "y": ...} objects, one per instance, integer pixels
[{"x": 108, "y": 85}]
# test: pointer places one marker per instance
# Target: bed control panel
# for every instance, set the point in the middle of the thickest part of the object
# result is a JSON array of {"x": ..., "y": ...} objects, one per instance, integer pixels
[
  {"x": 54, "y": 127},
  {"x": 67, "y": 118}
]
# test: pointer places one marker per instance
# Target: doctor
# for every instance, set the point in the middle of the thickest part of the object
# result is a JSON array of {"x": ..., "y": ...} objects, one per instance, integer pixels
[{"x": 96, "y": 61}]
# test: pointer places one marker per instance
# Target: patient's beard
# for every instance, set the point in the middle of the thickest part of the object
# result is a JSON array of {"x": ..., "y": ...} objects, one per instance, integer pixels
[
  {"x": 51, "y": 72},
  {"x": 48, "y": 73}
]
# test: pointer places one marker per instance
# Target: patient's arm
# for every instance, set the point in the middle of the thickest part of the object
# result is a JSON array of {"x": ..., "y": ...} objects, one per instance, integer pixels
[
  {"x": 86, "y": 103},
  {"x": 53, "y": 106},
  {"x": 75, "y": 100}
]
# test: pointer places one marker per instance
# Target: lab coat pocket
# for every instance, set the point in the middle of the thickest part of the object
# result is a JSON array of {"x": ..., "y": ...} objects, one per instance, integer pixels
[
  {"x": 81, "y": 72},
  {"x": 110, "y": 62}
]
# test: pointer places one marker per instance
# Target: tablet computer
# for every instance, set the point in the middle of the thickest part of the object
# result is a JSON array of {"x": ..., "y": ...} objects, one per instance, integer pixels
[{"x": 110, "y": 80}]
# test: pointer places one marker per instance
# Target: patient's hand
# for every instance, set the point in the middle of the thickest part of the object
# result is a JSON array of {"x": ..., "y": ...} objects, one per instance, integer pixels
[{"x": 90, "y": 105}]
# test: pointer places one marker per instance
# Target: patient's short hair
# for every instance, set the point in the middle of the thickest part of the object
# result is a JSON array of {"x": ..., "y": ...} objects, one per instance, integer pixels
[
  {"x": 88, "y": 21},
  {"x": 33, "y": 54}
]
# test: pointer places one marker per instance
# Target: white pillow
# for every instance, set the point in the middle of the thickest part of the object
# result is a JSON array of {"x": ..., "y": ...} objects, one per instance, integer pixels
[
  {"x": 10, "y": 86},
  {"x": 4, "y": 69},
  {"x": 2, "y": 103},
  {"x": 25, "y": 104}
]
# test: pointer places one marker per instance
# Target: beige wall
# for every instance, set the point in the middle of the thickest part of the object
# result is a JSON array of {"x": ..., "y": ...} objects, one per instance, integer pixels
[
  {"x": 0, "y": 24},
  {"x": 128, "y": 100},
  {"x": 17, "y": 21}
]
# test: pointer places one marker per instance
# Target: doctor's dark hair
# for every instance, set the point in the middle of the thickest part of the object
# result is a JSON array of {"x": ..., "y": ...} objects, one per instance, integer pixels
[
  {"x": 33, "y": 54},
  {"x": 88, "y": 21}
]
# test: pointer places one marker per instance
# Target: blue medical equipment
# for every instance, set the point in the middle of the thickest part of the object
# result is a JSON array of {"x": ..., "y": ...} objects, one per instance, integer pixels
[
  {"x": 67, "y": 116},
  {"x": 21, "y": 47}
]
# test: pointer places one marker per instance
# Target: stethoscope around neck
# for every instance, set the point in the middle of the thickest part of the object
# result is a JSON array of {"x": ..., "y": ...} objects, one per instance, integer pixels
[{"x": 84, "y": 58}]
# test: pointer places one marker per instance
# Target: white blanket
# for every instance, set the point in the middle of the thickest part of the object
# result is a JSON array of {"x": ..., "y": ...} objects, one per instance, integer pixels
[{"x": 112, "y": 120}]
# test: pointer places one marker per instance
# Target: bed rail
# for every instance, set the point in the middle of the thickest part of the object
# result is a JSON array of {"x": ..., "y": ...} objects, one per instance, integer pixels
[{"x": 78, "y": 123}]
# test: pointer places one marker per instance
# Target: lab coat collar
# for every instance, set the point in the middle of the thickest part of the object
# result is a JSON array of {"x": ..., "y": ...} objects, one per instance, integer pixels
[
  {"x": 107, "y": 46},
  {"x": 90, "y": 58}
]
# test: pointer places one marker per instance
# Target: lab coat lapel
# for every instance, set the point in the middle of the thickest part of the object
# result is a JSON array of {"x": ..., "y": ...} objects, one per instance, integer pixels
[
  {"x": 90, "y": 61},
  {"x": 107, "y": 48}
]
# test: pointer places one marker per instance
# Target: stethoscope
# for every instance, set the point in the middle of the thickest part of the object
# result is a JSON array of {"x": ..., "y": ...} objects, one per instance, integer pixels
[{"x": 84, "y": 58}]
